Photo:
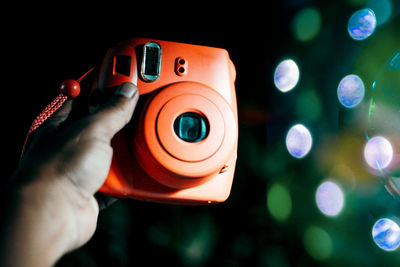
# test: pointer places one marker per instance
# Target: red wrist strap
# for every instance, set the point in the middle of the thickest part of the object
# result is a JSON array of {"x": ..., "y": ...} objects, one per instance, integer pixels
[{"x": 69, "y": 89}]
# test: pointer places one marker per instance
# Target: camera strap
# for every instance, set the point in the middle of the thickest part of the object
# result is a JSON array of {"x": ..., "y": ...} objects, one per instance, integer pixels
[{"x": 68, "y": 89}]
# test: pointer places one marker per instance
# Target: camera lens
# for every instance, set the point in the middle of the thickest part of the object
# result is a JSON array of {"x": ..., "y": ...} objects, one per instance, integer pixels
[{"x": 191, "y": 127}]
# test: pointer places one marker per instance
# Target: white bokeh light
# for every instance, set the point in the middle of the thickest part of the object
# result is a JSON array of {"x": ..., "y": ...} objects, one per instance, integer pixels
[
  {"x": 329, "y": 198},
  {"x": 298, "y": 141},
  {"x": 351, "y": 91},
  {"x": 378, "y": 153},
  {"x": 361, "y": 24},
  {"x": 386, "y": 234},
  {"x": 286, "y": 75}
]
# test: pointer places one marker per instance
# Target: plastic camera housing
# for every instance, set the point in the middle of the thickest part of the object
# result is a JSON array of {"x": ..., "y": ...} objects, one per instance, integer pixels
[{"x": 181, "y": 145}]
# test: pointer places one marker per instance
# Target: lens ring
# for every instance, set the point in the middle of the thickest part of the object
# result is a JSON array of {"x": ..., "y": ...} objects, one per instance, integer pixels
[
  {"x": 177, "y": 159},
  {"x": 177, "y": 146}
]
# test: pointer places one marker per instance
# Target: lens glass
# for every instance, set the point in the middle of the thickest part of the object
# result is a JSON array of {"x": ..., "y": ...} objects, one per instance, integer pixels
[{"x": 191, "y": 127}]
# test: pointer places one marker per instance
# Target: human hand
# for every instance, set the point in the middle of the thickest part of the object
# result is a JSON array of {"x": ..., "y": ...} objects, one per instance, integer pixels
[{"x": 54, "y": 186}]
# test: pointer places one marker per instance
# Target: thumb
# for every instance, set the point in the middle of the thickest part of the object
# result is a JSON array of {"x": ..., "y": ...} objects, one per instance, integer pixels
[{"x": 112, "y": 116}]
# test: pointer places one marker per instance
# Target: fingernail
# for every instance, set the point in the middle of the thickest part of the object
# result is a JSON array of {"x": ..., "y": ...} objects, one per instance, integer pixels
[{"x": 126, "y": 90}]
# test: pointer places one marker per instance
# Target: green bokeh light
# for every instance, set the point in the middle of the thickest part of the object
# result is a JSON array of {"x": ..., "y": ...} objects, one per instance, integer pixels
[
  {"x": 382, "y": 10},
  {"x": 279, "y": 202},
  {"x": 195, "y": 240},
  {"x": 318, "y": 243},
  {"x": 306, "y": 24},
  {"x": 308, "y": 106}
]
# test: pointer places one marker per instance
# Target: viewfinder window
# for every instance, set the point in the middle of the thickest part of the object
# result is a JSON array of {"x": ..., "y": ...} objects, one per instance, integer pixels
[{"x": 151, "y": 64}]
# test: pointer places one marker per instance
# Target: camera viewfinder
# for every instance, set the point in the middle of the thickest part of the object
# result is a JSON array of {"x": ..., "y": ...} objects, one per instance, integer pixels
[{"x": 151, "y": 64}]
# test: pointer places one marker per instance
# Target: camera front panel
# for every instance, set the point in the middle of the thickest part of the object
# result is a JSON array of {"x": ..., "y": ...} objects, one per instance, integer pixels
[{"x": 185, "y": 140}]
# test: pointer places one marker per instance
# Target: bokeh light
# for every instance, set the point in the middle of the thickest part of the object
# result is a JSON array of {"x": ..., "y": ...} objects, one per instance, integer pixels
[
  {"x": 196, "y": 240},
  {"x": 361, "y": 24},
  {"x": 378, "y": 152},
  {"x": 329, "y": 198},
  {"x": 286, "y": 75},
  {"x": 386, "y": 234},
  {"x": 351, "y": 91},
  {"x": 306, "y": 24},
  {"x": 318, "y": 243},
  {"x": 308, "y": 106},
  {"x": 382, "y": 10},
  {"x": 298, "y": 141},
  {"x": 279, "y": 202}
]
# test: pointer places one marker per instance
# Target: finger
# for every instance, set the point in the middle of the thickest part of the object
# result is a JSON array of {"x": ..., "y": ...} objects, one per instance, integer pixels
[{"x": 116, "y": 113}]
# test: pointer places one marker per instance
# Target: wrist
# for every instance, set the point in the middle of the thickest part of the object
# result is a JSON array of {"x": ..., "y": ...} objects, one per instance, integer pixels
[
  {"x": 46, "y": 205},
  {"x": 40, "y": 230}
]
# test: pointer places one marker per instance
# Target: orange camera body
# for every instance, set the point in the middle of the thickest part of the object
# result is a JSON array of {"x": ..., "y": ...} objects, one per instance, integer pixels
[{"x": 181, "y": 145}]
